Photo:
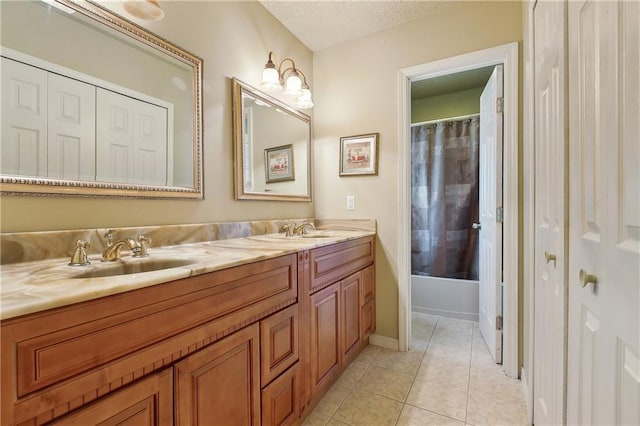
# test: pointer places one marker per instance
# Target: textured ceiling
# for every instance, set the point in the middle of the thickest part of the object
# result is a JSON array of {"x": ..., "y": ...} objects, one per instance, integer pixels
[{"x": 323, "y": 23}]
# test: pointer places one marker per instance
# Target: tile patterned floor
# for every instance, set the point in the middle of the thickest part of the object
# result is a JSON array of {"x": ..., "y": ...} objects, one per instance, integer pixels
[{"x": 448, "y": 378}]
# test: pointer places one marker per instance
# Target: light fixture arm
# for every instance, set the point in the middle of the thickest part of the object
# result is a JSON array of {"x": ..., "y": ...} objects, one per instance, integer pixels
[{"x": 273, "y": 79}]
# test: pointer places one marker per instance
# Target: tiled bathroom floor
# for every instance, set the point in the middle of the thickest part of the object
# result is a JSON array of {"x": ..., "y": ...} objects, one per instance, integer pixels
[{"x": 448, "y": 378}]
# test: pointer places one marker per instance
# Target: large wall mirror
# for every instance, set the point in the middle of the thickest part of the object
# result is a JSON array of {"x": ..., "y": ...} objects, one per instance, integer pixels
[
  {"x": 94, "y": 105},
  {"x": 272, "y": 147}
]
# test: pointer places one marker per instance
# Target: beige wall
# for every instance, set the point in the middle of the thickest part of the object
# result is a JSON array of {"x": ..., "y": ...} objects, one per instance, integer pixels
[
  {"x": 449, "y": 105},
  {"x": 356, "y": 91},
  {"x": 234, "y": 39}
]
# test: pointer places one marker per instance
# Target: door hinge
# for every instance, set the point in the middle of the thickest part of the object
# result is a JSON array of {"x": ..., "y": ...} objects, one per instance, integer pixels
[
  {"x": 499, "y": 105},
  {"x": 499, "y": 322},
  {"x": 499, "y": 215}
]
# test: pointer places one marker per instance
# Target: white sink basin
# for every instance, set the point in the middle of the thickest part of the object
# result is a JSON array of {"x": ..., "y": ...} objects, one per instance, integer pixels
[{"x": 132, "y": 267}]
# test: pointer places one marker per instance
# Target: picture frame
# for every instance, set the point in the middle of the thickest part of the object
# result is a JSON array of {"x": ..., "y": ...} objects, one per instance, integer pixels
[
  {"x": 359, "y": 155},
  {"x": 278, "y": 164}
]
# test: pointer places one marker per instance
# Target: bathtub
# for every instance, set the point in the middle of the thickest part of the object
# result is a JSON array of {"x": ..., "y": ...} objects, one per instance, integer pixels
[{"x": 445, "y": 296}]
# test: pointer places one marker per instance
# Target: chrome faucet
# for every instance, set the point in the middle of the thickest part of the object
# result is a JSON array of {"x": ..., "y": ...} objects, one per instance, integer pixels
[
  {"x": 112, "y": 251},
  {"x": 302, "y": 229}
]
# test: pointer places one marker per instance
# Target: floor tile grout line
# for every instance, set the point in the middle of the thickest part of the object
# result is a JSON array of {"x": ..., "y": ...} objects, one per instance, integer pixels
[{"x": 416, "y": 373}]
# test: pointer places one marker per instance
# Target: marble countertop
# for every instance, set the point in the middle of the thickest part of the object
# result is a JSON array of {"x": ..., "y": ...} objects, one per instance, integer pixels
[{"x": 30, "y": 287}]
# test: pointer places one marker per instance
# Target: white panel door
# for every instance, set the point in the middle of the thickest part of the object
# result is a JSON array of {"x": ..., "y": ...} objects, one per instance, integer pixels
[
  {"x": 114, "y": 137},
  {"x": 131, "y": 140},
  {"x": 490, "y": 237},
  {"x": 24, "y": 120},
  {"x": 150, "y": 141},
  {"x": 550, "y": 217},
  {"x": 71, "y": 129},
  {"x": 604, "y": 233}
]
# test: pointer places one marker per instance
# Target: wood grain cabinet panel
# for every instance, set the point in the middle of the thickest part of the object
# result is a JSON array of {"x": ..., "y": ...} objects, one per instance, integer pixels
[
  {"x": 325, "y": 336},
  {"x": 145, "y": 403},
  {"x": 281, "y": 399},
  {"x": 278, "y": 343},
  {"x": 220, "y": 385},
  {"x": 350, "y": 315},
  {"x": 368, "y": 284},
  {"x": 367, "y": 320},
  {"x": 332, "y": 263}
]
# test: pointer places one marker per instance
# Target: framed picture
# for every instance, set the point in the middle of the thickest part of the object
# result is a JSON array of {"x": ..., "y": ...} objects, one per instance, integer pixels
[
  {"x": 278, "y": 163},
  {"x": 359, "y": 155}
]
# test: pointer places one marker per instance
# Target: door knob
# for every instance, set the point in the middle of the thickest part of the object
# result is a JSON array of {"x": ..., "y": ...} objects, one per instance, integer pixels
[
  {"x": 476, "y": 226},
  {"x": 586, "y": 278},
  {"x": 550, "y": 257}
]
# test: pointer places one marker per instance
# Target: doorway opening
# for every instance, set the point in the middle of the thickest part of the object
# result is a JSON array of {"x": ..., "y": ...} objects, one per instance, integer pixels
[
  {"x": 507, "y": 56},
  {"x": 445, "y": 161}
]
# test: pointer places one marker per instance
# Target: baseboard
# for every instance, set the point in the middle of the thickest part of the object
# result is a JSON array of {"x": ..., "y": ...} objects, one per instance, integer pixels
[
  {"x": 527, "y": 400},
  {"x": 469, "y": 316},
  {"x": 384, "y": 341}
]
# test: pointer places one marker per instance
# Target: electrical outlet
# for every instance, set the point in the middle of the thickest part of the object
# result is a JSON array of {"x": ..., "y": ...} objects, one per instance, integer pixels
[{"x": 351, "y": 202}]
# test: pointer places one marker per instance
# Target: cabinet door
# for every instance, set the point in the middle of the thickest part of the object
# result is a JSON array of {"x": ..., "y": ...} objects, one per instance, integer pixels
[
  {"x": 350, "y": 315},
  {"x": 148, "y": 402},
  {"x": 278, "y": 343},
  {"x": 367, "y": 320},
  {"x": 368, "y": 283},
  {"x": 24, "y": 120},
  {"x": 325, "y": 335},
  {"x": 220, "y": 385},
  {"x": 281, "y": 399}
]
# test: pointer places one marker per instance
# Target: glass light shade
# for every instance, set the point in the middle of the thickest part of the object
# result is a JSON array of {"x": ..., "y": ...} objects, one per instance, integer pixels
[
  {"x": 270, "y": 80},
  {"x": 293, "y": 87},
  {"x": 149, "y": 10},
  {"x": 304, "y": 101}
]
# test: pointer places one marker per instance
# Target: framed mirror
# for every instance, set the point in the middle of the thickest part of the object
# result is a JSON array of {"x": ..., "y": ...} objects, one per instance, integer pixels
[
  {"x": 94, "y": 105},
  {"x": 272, "y": 147}
]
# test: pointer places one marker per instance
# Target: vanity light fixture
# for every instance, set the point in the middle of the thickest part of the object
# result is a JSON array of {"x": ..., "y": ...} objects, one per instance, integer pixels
[
  {"x": 273, "y": 80},
  {"x": 148, "y": 10}
]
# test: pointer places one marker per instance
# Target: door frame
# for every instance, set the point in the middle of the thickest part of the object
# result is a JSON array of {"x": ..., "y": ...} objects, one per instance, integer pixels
[{"x": 507, "y": 55}]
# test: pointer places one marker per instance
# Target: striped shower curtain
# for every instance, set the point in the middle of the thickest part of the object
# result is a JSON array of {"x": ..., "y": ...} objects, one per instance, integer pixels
[{"x": 444, "y": 192}]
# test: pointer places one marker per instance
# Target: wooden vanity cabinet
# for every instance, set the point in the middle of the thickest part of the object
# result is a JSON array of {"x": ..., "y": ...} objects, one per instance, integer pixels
[
  {"x": 257, "y": 344},
  {"x": 341, "y": 312}
]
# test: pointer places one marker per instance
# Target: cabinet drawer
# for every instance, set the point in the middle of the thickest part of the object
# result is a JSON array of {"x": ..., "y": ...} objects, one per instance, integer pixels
[
  {"x": 278, "y": 343},
  {"x": 64, "y": 343},
  {"x": 281, "y": 399},
  {"x": 333, "y": 263}
]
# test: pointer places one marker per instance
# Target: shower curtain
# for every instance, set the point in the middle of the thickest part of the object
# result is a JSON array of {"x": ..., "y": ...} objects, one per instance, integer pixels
[{"x": 444, "y": 192}]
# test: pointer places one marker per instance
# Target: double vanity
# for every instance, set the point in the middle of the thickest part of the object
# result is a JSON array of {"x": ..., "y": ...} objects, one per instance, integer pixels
[{"x": 235, "y": 331}]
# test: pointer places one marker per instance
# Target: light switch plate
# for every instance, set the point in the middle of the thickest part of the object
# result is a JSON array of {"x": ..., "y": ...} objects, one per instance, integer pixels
[{"x": 351, "y": 202}]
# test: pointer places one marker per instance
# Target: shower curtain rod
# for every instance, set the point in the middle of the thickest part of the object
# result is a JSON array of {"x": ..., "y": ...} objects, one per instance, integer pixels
[{"x": 461, "y": 117}]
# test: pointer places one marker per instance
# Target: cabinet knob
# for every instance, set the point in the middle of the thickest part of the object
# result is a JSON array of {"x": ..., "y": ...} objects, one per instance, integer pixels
[
  {"x": 586, "y": 278},
  {"x": 549, "y": 257}
]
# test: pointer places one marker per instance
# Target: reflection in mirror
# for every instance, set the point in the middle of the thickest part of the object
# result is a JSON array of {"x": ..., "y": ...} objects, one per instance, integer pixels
[
  {"x": 94, "y": 105},
  {"x": 272, "y": 147}
]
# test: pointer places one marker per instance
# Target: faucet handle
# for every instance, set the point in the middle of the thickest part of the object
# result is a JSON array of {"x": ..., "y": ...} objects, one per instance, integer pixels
[
  {"x": 143, "y": 240},
  {"x": 109, "y": 237},
  {"x": 79, "y": 256},
  {"x": 287, "y": 229}
]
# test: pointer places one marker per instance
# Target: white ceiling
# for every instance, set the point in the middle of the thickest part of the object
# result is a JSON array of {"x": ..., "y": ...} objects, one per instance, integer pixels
[{"x": 324, "y": 23}]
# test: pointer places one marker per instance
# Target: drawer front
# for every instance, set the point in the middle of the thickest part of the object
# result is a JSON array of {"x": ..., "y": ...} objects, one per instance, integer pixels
[
  {"x": 278, "y": 343},
  {"x": 57, "y": 355},
  {"x": 281, "y": 399},
  {"x": 333, "y": 263}
]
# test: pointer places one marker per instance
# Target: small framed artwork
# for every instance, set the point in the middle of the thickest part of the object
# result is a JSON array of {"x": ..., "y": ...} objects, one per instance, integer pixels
[
  {"x": 359, "y": 155},
  {"x": 278, "y": 163}
]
